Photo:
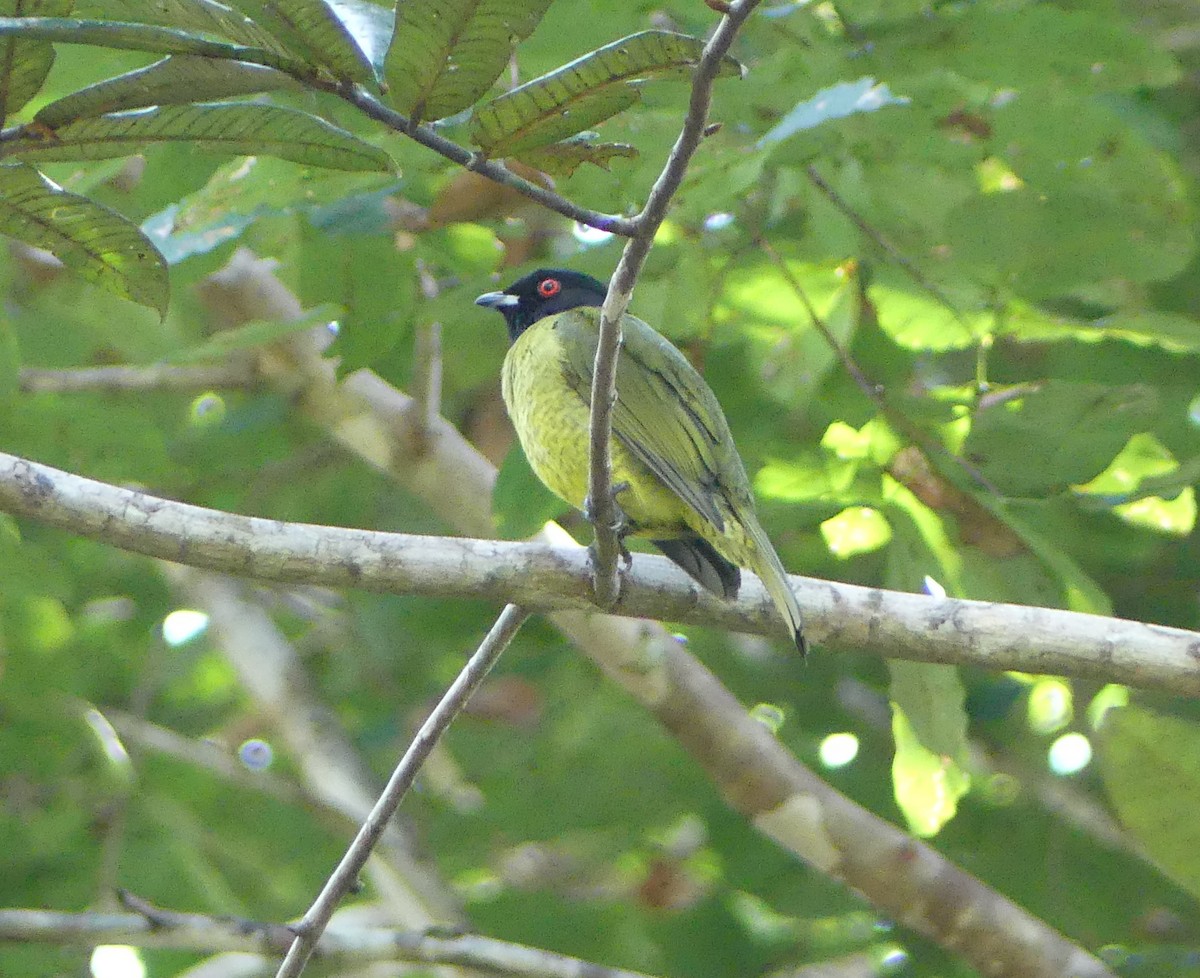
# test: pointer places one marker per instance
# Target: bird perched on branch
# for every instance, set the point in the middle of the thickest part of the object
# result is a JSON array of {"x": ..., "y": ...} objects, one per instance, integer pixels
[{"x": 678, "y": 477}]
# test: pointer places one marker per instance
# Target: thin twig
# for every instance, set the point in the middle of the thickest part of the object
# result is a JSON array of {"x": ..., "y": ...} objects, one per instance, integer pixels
[
  {"x": 310, "y": 929},
  {"x": 542, "y": 577},
  {"x": 865, "y": 384},
  {"x": 603, "y": 508},
  {"x": 493, "y": 170},
  {"x": 427, "y": 365},
  {"x": 232, "y": 374},
  {"x": 872, "y": 232},
  {"x": 874, "y": 392},
  {"x": 148, "y": 926}
]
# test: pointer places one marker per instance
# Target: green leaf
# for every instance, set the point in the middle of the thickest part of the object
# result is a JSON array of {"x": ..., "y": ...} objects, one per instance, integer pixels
[
  {"x": 139, "y": 37},
  {"x": 177, "y": 80},
  {"x": 190, "y": 16},
  {"x": 446, "y": 53},
  {"x": 85, "y": 236},
  {"x": 932, "y": 697},
  {"x": 236, "y": 128},
  {"x": 24, "y": 65},
  {"x": 521, "y": 503},
  {"x": 1151, "y": 768},
  {"x": 254, "y": 334},
  {"x": 377, "y": 313},
  {"x": 316, "y": 30},
  {"x": 585, "y": 92},
  {"x": 927, "y": 784},
  {"x": 835, "y": 102},
  {"x": 563, "y": 159},
  {"x": 1061, "y": 435}
]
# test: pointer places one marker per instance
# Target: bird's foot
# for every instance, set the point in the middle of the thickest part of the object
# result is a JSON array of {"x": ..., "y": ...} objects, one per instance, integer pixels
[{"x": 620, "y": 527}]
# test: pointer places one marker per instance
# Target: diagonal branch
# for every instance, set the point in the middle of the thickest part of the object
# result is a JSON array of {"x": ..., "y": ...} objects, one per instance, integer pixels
[
  {"x": 430, "y": 138},
  {"x": 603, "y": 510},
  {"x": 542, "y": 578},
  {"x": 309, "y": 930}
]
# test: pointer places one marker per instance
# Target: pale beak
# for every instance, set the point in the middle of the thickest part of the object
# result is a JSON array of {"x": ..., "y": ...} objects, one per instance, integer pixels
[{"x": 497, "y": 300}]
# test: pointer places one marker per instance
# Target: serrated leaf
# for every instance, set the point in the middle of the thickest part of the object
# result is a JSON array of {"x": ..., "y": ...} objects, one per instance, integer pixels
[
  {"x": 139, "y": 37},
  {"x": 564, "y": 158},
  {"x": 177, "y": 80},
  {"x": 24, "y": 65},
  {"x": 85, "y": 236},
  {"x": 314, "y": 29},
  {"x": 445, "y": 54},
  {"x": 585, "y": 92},
  {"x": 237, "y": 128},
  {"x": 1151, "y": 769},
  {"x": 192, "y": 16}
]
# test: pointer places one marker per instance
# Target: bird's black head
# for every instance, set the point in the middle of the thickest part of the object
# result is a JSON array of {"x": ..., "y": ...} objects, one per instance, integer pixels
[{"x": 540, "y": 294}]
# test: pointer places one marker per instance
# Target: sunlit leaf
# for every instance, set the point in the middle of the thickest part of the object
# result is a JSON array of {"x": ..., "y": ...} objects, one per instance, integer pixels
[
  {"x": 236, "y": 128},
  {"x": 1151, "y": 768},
  {"x": 927, "y": 785},
  {"x": 857, "y": 530},
  {"x": 87, "y": 237},
  {"x": 585, "y": 92},
  {"x": 178, "y": 80},
  {"x": 445, "y": 54},
  {"x": 564, "y": 158}
]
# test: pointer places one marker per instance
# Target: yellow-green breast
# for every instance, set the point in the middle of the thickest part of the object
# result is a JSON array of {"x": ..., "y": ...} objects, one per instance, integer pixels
[{"x": 551, "y": 421}]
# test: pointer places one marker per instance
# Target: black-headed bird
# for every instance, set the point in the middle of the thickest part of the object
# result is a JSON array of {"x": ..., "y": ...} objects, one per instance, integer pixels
[{"x": 679, "y": 479}]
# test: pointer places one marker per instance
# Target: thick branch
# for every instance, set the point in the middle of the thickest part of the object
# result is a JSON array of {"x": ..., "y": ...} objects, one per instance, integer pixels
[
  {"x": 603, "y": 509},
  {"x": 157, "y": 928},
  {"x": 543, "y": 578},
  {"x": 310, "y": 929}
]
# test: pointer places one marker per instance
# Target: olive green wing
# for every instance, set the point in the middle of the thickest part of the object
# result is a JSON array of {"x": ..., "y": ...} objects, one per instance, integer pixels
[{"x": 665, "y": 413}]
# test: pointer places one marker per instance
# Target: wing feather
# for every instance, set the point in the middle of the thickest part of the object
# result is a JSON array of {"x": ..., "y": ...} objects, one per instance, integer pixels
[{"x": 682, "y": 438}]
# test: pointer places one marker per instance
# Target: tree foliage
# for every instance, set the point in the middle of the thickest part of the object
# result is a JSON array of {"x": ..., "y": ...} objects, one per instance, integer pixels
[{"x": 939, "y": 265}]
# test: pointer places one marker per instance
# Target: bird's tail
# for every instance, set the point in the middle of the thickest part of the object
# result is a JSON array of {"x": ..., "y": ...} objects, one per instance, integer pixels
[{"x": 767, "y": 565}]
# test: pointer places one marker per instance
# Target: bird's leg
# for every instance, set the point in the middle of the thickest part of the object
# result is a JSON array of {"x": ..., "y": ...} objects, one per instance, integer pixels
[{"x": 620, "y": 525}]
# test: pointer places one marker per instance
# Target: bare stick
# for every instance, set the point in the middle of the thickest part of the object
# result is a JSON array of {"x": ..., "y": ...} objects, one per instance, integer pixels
[
  {"x": 872, "y": 232},
  {"x": 155, "y": 377},
  {"x": 542, "y": 577},
  {"x": 427, "y": 365},
  {"x": 148, "y": 926},
  {"x": 310, "y": 929},
  {"x": 603, "y": 508}
]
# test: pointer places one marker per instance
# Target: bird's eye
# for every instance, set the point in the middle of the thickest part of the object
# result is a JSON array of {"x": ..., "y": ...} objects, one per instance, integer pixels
[{"x": 549, "y": 287}]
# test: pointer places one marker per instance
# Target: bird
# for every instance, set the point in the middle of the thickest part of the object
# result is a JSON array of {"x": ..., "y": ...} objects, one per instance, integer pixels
[{"x": 678, "y": 479}]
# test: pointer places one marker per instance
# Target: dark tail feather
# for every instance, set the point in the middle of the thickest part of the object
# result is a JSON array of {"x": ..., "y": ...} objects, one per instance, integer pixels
[{"x": 702, "y": 562}]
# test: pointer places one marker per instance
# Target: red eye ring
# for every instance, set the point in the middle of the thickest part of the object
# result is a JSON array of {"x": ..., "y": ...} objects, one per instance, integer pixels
[{"x": 549, "y": 287}]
